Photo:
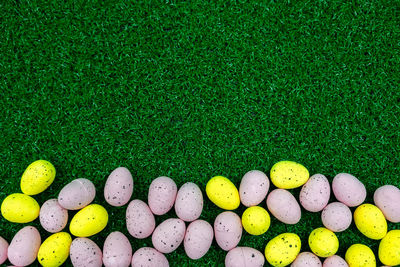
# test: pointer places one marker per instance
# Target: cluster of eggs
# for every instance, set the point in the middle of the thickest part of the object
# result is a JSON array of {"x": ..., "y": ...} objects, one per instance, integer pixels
[{"x": 198, "y": 235}]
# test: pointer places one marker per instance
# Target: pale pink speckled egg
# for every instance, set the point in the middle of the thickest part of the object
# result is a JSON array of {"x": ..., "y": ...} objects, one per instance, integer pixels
[
  {"x": 85, "y": 253},
  {"x": 119, "y": 187},
  {"x": 149, "y": 257},
  {"x": 314, "y": 194},
  {"x": 337, "y": 217},
  {"x": 3, "y": 250},
  {"x": 189, "y": 202},
  {"x": 140, "y": 220},
  {"x": 198, "y": 239},
  {"x": 335, "y": 261},
  {"x": 53, "y": 217},
  {"x": 387, "y": 199},
  {"x": 253, "y": 188},
  {"x": 162, "y": 195},
  {"x": 168, "y": 235},
  {"x": 24, "y": 247},
  {"x": 348, "y": 189},
  {"x": 117, "y": 250},
  {"x": 228, "y": 230},
  {"x": 306, "y": 259},
  {"x": 284, "y": 206}
]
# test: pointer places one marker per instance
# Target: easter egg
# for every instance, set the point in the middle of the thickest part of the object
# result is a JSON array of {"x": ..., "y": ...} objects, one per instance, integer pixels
[
  {"x": 359, "y": 255},
  {"x": 168, "y": 235},
  {"x": 85, "y": 253},
  {"x": 306, "y": 259},
  {"x": 288, "y": 174},
  {"x": 55, "y": 250},
  {"x": 3, "y": 250},
  {"x": 20, "y": 208},
  {"x": 283, "y": 249},
  {"x": 162, "y": 195},
  {"x": 117, "y": 251},
  {"x": 228, "y": 230},
  {"x": 284, "y": 206},
  {"x": 370, "y": 221},
  {"x": 189, "y": 202},
  {"x": 223, "y": 193},
  {"x": 89, "y": 221},
  {"x": 24, "y": 247},
  {"x": 256, "y": 220},
  {"x": 140, "y": 220},
  {"x": 253, "y": 188},
  {"x": 348, "y": 189},
  {"x": 37, "y": 177},
  {"x": 387, "y": 199},
  {"x": 198, "y": 239},
  {"x": 244, "y": 256},
  {"x": 335, "y": 261},
  {"x": 149, "y": 257},
  {"x": 389, "y": 248},
  {"x": 336, "y": 216},
  {"x": 314, "y": 194},
  {"x": 77, "y": 194},
  {"x": 52, "y": 216},
  {"x": 323, "y": 242},
  {"x": 119, "y": 187}
]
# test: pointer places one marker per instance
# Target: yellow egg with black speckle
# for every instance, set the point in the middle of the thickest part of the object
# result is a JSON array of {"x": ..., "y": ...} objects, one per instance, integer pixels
[
  {"x": 389, "y": 248},
  {"x": 37, "y": 177},
  {"x": 283, "y": 249},
  {"x": 323, "y": 242},
  {"x": 89, "y": 221},
  {"x": 289, "y": 174},
  {"x": 55, "y": 250},
  {"x": 370, "y": 221},
  {"x": 20, "y": 208},
  {"x": 256, "y": 220},
  {"x": 359, "y": 255},
  {"x": 223, "y": 193}
]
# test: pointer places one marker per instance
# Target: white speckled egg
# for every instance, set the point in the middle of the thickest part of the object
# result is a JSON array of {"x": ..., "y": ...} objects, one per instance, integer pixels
[
  {"x": 198, "y": 239},
  {"x": 140, "y": 220},
  {"x": 53, "y": 217},
  {"x": 387, "y": 199},
  {"x": 189, "y": 202},
  {"x": 149, "y": 257},
  {"x": 335, "y": 261},
  {"x": 162, "y": 195},
  {"x": 117, "y": 251},
  {"x": 244, "y": 256},
  {"x": 168, "y": 235},
  {"x": 348, "y": 189},
  {"x": 3, "y": 250},
  {"x": 283, "y": 205},
  {"x": 306, "y": 259},
  {"x": 119, "y": 187},
  {"x": 314, "y": 195},
  {"x": 336, "y": 217},
  {"x": 85, "y": 253},
  {"x": 77, "y": 194},
  {"x": 253, "y": 188},
  {"x": 24, "y": 247},
  {"x": 228, "y": 230}
]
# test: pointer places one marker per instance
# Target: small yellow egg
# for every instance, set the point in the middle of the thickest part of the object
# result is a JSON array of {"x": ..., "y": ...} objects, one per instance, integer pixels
[
  {"x": 389, "y": 248},
  {"x": 89, "y": 221},
  {"x": 283, "y": 249},
  {"x": 20, "y": 208},
  {"x": 288, "y": 174},
  {"x": 323, "y": 242},
  {"x": 359, "y": 255},
  {"x": 223, "y": 193},
  {"x": 37, "y": 177},
  {"x": 256, "y": 220},
  {"x": 55, "y": 250},
  {"x": 370, "y": 221}
]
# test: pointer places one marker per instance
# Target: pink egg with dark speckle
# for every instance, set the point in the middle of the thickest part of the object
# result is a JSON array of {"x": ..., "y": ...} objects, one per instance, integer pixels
[
  {"x": 53, "y": 217},
  {"x": 348, "y": 189},
  {"x": 162, "y": 195},
  {"x": 119, "y": 187},
  {"x": 336, "y": 217},
  {"x": 149, "y": 257},
  {"x": 3, "y": 250},
  {"x": 387, "y": 199},
  {"x": 24, "y": 247}
]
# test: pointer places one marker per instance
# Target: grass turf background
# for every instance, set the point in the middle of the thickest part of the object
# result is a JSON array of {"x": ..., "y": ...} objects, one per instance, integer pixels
[{"x": 194, "y": 90}]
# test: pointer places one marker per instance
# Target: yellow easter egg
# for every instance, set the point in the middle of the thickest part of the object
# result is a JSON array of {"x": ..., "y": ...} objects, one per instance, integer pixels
[
  {"x": 288, "y": 174},
  {"x": 20, "y": 208},
  {"x": 223, "y": 193},
  {"x": 256, "y": 220},
  {"x": 283, "y": 249},
  {"x": 55, "y": 250},
  {"x": 359, "y": 255},
  {"x": 89, "y": 221},
  {"x": 323, "y": 242},
  {"x": 370, "y": 221},
  {"x": 389, "y": 248},
  {"x": 37, "y": 177}
]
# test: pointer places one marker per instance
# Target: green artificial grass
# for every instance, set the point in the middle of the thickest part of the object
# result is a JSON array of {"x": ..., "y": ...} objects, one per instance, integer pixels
[{"x": 194, "y": 89}]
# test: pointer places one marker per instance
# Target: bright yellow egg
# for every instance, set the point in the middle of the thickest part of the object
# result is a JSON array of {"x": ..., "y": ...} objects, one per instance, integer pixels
[
  {"x": 389, "y": 248},
  {"x": 55, "y": 250},
  {"x": 359, "y": 255},
  {"x": 370, "y": 221},
  {"x": 288, "y": 174},
  {"x": 89, "y": 221},
  {"x": 256, "y": 220},
  {"x": 283, "y": 249},
  {"x": 223, "y": 193},
  {"x": 323, "y": 242},
  {"x": 20, "y": 208},
  {"x": 37, "y": 177}
]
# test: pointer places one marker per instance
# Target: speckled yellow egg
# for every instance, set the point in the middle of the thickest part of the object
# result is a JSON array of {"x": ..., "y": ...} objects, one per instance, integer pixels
[
  {"x": 323, "y": 242},
  {"x": 389, "y": 248},
  {"x": 283, "y": 249},
  {"x": 370, "y": 221},
  {"x": 37, "y": 177},
  {"x": 20, "y": 208},
  {"x": 89, "y": 221},
  {"x": 288, "y": 174},
  {"x": 55, "y": 250},
  {"x": 359, "y": 255},
  {"x": 223, "y": 193},
  {"x": 256, "y": 220}
]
